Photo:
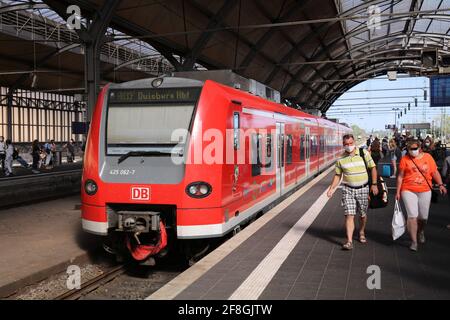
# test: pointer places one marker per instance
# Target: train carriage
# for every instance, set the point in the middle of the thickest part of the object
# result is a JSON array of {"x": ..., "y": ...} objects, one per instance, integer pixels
[{"x": 172, "y": 159}]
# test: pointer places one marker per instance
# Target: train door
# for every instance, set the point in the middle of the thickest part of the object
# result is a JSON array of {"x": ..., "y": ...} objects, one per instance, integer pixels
[
  {"x": 280, "y": 157},
  {"x": 307, "y": 150}
]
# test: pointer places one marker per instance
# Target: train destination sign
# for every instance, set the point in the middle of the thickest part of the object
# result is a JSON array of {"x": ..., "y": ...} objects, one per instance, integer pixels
[{"x": 120, "y": 96}]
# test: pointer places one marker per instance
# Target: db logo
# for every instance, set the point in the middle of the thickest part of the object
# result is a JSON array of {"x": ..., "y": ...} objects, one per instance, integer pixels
[{"x": 140, "y": 193}]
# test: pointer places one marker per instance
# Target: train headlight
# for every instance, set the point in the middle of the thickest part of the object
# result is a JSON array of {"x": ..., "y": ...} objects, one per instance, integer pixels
[
  {"x": 157, "y": 82},
  {"x": 203, "y": 189},
  {"x": 198, "y": 189},
  {"x": 90, "y": 187},
  {"x": 193, "y": 190}
]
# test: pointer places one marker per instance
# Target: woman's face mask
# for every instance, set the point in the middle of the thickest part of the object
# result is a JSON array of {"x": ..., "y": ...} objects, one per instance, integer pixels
[
  {"x": 414, "y": 153},
  {"x": 427, "y": 144}
]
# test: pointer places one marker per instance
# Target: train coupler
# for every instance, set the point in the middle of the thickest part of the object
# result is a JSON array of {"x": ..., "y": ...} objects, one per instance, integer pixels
[{"x": 138, "y": 222}]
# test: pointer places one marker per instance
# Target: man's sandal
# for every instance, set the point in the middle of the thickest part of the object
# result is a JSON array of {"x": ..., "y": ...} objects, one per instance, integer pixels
[{"x": 347, "y": 246}]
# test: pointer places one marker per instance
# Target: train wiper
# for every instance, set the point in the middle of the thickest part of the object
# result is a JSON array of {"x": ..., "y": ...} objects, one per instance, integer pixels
[{"x": 146, "y": 153}]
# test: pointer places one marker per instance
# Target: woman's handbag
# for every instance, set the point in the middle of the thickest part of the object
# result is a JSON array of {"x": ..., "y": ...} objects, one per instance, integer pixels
[
  {"x": 398, "y": 222},
  {"x": 434, "y": 194}
]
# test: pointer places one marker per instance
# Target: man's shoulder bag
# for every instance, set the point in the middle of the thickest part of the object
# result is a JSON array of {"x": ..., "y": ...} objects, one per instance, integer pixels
[{"x": 381, "y": 199}]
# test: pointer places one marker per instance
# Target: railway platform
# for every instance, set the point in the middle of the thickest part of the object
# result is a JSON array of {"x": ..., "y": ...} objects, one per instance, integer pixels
[
  {"x": 294, "y": 252},
  {"x": 41, "y": 239},
  {"x": 25, "y": 187}
]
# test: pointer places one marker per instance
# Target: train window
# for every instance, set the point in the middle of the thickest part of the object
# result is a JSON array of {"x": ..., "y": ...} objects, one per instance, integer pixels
[
  {"x": 256, "y": 149},
  {"x": 302, "y": 147},
  {"x": 289, "y": 149},
  {"x": 281, "y": 150},
  {"x": 268, "y": 163},
  {"x": 308, "y": 146},
  {"x": 236, "y": 127},
  {"x": 313, "y": 146},
  {"x": 269, "y": 146},
  {"x": 319, "y": 144}
]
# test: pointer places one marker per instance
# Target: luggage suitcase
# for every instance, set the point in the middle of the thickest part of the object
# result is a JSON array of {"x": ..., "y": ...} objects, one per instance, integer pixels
[{"x": 386, "y": 170}]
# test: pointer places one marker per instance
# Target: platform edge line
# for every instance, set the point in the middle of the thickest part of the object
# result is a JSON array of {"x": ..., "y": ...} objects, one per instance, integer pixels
[{"x": 185, "y": 279}]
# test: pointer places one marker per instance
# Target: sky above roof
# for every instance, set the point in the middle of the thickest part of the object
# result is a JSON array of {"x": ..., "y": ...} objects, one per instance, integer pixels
[{"x": 370, "y": 103}]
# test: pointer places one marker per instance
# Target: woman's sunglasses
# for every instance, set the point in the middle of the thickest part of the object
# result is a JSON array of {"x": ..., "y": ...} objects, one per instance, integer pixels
[{"x": 416, "y": 148}]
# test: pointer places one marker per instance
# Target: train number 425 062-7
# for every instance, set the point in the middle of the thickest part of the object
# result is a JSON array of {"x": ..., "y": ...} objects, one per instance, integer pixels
[{"x": 122, "y": 172}]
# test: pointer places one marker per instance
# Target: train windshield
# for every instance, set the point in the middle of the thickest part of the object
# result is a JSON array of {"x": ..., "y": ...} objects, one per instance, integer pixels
[
  {"x": 149, "y": 120},
  {"x": 153, "y": 127}
]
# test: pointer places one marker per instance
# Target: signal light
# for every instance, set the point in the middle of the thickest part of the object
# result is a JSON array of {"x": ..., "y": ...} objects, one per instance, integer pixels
[
  {"x": 90, "y": 187},
  {"x": 198, "y": 189}
]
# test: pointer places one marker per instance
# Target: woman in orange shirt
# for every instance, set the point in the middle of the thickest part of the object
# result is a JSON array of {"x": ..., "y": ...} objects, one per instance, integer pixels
[{"x": 417, "y": 170}]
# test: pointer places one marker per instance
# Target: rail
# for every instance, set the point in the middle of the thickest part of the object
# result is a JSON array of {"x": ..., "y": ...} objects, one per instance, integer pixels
[{"x": 93, "y": 284}]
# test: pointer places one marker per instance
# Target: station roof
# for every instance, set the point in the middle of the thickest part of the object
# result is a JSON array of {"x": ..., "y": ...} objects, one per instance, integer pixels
[{"x": 310, "y": 50}]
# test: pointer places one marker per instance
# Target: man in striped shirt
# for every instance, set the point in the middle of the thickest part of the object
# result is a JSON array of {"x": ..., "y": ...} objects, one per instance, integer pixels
[{"x": 355, "y": 190}]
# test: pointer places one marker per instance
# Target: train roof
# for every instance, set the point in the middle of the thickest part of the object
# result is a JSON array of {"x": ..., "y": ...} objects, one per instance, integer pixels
[
  {"x": 273, "y": 106},
  {"x": 235, "y": 93},
  {"x": 172, "y": 82}
]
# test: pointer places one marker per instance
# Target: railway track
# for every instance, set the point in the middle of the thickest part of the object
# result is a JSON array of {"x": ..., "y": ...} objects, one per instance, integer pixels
[{"x": 93, "y": 284}]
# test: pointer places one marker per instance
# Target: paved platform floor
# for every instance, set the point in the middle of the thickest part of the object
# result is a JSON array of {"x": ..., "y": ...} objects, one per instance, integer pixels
[
  {"x": 308, "y": 262},
  {"x": 19, "y": 171},
  {"x": 39, "y": 238}
]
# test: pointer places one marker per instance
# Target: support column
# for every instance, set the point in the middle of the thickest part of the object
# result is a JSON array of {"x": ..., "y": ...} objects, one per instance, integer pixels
[
  {"x": 96, "y": 34},
  {"x": 9, "y": 127},
  {"x": 92, "y": 77}
]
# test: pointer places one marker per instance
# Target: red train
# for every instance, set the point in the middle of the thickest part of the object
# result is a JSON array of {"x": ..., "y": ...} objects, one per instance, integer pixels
[{"x": 173, "y": 161}]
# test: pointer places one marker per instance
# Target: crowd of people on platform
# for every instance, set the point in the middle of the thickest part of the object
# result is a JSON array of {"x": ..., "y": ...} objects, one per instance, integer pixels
[
  {"x": 414, "y": 166},
  {"x": 44, "y": 156},
  {"x": 396, "y": 147}
]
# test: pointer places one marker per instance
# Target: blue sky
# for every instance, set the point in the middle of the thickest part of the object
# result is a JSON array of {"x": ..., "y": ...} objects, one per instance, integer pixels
[{"x": 369, "y": 104}]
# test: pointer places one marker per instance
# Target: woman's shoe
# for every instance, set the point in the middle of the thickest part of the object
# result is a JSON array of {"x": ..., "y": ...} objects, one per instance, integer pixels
[
  {"x": 413, "y": 246},
  {"x": 421, "y": 237},
  {"x": 362, "y": 238}
]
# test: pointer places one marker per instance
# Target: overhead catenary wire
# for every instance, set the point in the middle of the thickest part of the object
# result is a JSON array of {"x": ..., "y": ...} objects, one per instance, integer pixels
[
  {"x": 376, "y": 90},
  {"x": 386, "y": 97},
  {"x": 375, "y": 103}
]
